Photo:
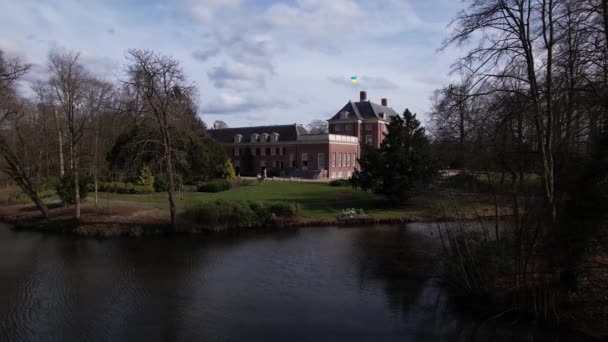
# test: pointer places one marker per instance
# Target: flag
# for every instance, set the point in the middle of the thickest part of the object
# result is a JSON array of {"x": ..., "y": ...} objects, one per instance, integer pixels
[{"x": 353, "y": 79}]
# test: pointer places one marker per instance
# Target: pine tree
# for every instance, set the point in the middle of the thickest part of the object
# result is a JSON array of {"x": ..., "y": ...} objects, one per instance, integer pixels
[
  {"x": 145, "y": 182},
  {"x": 402, "y": 164}
]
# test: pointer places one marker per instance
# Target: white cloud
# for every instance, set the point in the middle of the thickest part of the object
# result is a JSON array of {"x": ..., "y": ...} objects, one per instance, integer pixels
[
  {"x": 365, "y": 82},
  {"x": 227, "y": 103},
  {"x": 205, "y": 11},
  {"x": 237, "y": 76},
  {"x": 314, "y": 17}
]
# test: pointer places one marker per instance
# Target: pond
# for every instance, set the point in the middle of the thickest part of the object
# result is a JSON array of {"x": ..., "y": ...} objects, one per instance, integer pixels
[{"x": 312, "y": 284}]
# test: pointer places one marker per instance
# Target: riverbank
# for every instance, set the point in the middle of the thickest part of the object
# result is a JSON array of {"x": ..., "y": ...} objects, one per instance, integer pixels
[
  {"x": 137, "y": 218},
  {"x": 138, "y": 222}
]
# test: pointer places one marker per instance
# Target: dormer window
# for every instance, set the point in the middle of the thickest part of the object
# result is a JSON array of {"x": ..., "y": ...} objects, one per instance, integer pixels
[
  {"x": 264, "y": 137},
  {"x": 344, "y": 115},
  {"x": 382, "y": 115},
  {"x": 255, "y": 137},
  {"x": 274, "y": 137},
  {"x": 238, "y": 138}
]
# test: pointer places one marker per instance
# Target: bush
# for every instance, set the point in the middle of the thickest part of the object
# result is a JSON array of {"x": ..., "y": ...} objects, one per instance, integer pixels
[
  {"x": 65, "y": 189},
  {"x": 228, "y": 171},
  {"x": 230, "y": 214},
  {"x": 284, "y": 209},
  {"x": 145, "y": 182},
  {"x": 123, "y": 188},
  {"x": 18, "y": 197},
  {"x": 340, "y": 182},
  {"x": 217, "y": 185},
  {"x": 239, "y": 214},
  {"x": 160, "y": 183}
]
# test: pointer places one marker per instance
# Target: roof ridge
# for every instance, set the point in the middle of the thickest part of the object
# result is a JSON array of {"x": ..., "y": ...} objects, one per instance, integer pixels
[{"x": 264, "y": 126}]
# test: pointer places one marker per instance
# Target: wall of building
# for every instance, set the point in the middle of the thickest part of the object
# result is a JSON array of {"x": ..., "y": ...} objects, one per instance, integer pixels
[{"x": 342, "y": 160}]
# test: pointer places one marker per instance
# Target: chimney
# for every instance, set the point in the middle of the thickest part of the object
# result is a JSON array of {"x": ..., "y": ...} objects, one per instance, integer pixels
[
  {"x": 385, "y": 102},
  {"x": 362, "y": 96}
]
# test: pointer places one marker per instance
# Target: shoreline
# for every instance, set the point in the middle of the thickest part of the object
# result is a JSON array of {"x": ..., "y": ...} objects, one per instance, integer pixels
[{"x": 121, "y": 226}]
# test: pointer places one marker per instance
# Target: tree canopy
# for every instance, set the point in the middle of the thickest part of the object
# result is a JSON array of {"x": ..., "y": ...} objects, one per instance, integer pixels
[{"x": 402, "y": 164}]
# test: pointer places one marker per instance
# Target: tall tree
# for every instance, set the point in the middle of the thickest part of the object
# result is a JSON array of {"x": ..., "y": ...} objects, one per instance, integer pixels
[
  {"x": 69, "y": 83},
  {"x": 11, "y": 110},
  {"x": 160, "y": 85},
  {"x": 402, "y": 164}
]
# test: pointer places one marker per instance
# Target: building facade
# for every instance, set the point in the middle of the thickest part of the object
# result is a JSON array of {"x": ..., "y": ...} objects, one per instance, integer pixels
[{"x": 289, "y": 150}]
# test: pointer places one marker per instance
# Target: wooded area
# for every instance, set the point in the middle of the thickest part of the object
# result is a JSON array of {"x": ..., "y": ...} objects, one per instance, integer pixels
[
  {"x": 104, "y": 130},
  {"x": 531, "y": 103}
]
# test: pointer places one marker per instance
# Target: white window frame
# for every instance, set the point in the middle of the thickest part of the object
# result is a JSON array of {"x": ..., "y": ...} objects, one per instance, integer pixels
[
  {"x": 237, "y": 151},
  {"x": 304, "y": 160},
  {"x": 320, "y": 161},
  {"x": 369, "y": 139},
  {"x": 333, "y": 159},
  {"x": 368, "y": 127}
]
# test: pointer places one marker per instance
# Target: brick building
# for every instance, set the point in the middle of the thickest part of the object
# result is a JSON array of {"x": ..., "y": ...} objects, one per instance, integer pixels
[{"x": 299, "y": 154}]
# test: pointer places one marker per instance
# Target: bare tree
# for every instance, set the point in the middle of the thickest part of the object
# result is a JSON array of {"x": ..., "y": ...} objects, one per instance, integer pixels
[
  {"x": 517, "y": 46},
  {"x": 219, "y": 124},
  {"x": 317, "y": 127},
  {"x": 69, "y": 81},
  {"x": 160, "y": 84},
  {"x": 11, "y": 110}
]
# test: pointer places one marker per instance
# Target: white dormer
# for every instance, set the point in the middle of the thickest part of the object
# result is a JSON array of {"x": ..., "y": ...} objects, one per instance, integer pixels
[
  {"x": 343, "y": 114},
  {"x": 274, "y": 137},
  {"x": 264, "y": 137},
  {"x": 255, "y": 137},
  {"x": 238, "y": 138}
]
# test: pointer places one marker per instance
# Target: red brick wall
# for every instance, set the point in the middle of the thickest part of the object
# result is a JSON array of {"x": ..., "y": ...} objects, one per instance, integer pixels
[
  {"x": 339, "y": 150},
  {"x": 297, "y": 150}
]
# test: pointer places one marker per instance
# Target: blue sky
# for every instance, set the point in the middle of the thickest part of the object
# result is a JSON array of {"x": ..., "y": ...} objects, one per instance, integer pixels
[{"x": 255, "y": 62}]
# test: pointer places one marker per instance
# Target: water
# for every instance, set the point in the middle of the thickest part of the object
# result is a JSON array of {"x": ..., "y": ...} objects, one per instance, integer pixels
[{"x": 314, "y": 284}]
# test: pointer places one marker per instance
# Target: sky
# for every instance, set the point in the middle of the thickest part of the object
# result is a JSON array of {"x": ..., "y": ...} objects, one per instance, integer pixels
[{"x": 255, "y": 62}]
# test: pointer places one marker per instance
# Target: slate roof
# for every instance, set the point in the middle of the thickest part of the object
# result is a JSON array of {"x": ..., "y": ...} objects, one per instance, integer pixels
[
  {"x": 286, "y": 132},
  {"x": 363, "y": 110}
]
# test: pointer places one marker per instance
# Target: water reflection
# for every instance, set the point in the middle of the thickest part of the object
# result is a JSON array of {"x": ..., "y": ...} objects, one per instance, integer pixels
[{"x": 311, "y": 284}]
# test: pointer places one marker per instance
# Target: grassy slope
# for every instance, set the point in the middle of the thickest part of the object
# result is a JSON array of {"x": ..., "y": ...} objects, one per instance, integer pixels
[{"x": 318, "y": 200}]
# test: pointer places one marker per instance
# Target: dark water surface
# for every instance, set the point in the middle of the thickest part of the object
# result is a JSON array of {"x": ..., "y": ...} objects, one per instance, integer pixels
[{"x": 316, "y": 284}]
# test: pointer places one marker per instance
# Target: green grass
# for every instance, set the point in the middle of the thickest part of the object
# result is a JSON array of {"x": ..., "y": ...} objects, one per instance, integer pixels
[{"x": 318, "y": 200}]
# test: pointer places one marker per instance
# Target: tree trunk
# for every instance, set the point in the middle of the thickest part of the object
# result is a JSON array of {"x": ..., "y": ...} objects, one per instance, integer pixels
[
  {"x": 14, "y": 170},
  {"x": 74, "y": 167},
  {"x": 60, "y": 142},
  {"x": 171, "y": 188}
]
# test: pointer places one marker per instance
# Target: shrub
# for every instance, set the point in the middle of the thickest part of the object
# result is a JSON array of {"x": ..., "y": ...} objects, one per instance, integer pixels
[
  {"x": 123, "y": 188},
  {"x": 145, "y": 182},
  {"x": 160, "y": 183},
  {"x": 228, "y": 172},
  {"x": 340, "y": 182},
  {"x": 65, "y": 189},
  {"x": 18, "y": 197},
  {"x": 284, "y": 209},
  {"x": 217, "y": 185},
  {"x": 239, "y": 214},
  {"x": 230, "y": 214}
]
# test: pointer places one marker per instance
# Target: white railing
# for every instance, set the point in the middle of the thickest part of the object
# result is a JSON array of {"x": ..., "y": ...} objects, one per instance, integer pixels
[{"x": 329, "y": 138}]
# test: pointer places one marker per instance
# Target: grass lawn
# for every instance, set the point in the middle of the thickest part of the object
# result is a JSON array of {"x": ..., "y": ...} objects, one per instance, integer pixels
[{"x": 317, "y": 200}]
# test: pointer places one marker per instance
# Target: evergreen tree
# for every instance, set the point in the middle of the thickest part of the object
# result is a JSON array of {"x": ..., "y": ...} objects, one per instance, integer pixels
[
  {"x": 146, "y": 180},
  {"x": 402, "y": 164}
]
